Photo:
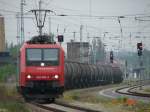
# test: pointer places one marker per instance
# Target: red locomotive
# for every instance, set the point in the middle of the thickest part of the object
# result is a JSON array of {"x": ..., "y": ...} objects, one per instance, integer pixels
[{"x": 41, "y": 69}]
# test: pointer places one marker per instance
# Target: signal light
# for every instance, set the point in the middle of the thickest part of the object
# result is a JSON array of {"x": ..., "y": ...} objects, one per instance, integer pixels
[
  {"x": 139, "y": 48},
  {"x": 111, "y": 56},
  {"x": 60, "y": 38},
  {"x": 56, "y": 76},
  {"x": 29, "y": 76}
]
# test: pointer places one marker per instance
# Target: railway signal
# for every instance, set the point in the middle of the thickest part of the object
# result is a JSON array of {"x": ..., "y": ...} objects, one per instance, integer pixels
[
  {"x": 139, "y": 48},
  {"x": 111, "y": 57},
  {"x": 60, "y": 38}
]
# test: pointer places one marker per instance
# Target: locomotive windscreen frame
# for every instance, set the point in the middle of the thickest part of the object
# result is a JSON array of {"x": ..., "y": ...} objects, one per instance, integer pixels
[{"x": 51, "y": 59}]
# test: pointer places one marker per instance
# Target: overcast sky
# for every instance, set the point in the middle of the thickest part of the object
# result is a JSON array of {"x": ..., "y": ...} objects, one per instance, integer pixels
[{"x": 94, "y": 26}]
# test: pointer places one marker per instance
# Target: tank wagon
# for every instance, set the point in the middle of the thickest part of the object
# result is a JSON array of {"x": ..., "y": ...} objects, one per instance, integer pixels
[{"x": 82, "y": 75}]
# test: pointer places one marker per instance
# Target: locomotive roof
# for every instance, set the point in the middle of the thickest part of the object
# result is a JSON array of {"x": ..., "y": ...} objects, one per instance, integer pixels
[
  {"x": 41, "y": 39},
  {"x": 56, "y": 45}
]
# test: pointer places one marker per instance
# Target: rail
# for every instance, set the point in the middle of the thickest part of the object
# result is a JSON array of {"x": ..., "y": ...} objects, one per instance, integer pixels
[
  {"x": 54, "y": 107},
  {"x": 131, "y": 92}
]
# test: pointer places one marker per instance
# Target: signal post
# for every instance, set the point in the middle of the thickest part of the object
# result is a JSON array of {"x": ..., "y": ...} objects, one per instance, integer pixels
[{"x": 140, "y": 52}]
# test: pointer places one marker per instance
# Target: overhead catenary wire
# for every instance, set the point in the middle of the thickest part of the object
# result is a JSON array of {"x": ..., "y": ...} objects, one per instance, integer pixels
[
  {"x": 93, "y": 16},
  {"x": 142, "y": 19},
  {"x": 99, "y": 17},
  {"x": 8, "y": 11},
  {"x": 86, "y": 17},
  {"x": 93, "y": 27},
  {"x": 77, "y": 25},
  {"x": 104, "y": 17},
  {"x": 79, "y": 11},
  {"x": 138, "y": 14}
]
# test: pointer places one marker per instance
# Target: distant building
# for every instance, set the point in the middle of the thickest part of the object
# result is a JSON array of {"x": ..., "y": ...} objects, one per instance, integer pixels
[
  {"x": 2, "y": 34},
  {"x": 77, "y": 51},
  {"x": 4, "y": 56}
]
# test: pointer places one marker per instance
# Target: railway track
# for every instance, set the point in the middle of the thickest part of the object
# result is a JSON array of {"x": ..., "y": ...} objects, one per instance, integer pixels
[
  {"x": 129, "y": 91},
  {"x": 62, "y": 107}
]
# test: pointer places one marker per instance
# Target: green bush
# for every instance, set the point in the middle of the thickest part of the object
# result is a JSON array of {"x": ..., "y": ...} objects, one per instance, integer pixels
[{"x": 6, "y": 71}]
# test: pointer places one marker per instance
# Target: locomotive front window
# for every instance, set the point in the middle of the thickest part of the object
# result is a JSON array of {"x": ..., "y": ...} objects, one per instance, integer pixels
[
  {"x": 34, "y": 54},
  {"x": 48, "y": 56}
]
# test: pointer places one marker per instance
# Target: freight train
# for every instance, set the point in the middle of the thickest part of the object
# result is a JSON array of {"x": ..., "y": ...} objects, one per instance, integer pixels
[
  {"x": 83, "y": 75},
  {"x": 44, "y": 74}
]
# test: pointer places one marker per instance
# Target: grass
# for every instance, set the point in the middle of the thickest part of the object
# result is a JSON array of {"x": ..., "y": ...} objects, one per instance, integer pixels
[
  {"x": 13, "y": 106},
  {"x": 142, "y": 107},
  {"x": 120, "y": 104},
  {"x": 9, "y": 100},
  {"x": 147, "y": 90}
]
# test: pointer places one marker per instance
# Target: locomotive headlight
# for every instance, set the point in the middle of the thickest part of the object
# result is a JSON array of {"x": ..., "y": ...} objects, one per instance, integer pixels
[
  {"x": 29, "y": 76},
  {"x": 56, "y": 76}
]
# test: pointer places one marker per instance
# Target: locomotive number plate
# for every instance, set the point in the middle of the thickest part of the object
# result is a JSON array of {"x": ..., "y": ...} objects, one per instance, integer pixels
[{"x": 42, "y": 77}]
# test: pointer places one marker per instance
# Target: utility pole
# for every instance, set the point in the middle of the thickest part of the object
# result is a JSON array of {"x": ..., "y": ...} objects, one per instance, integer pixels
[
  {"x": 88, "y": 39},
  {"x": 125, "y": 73},
  {"x": 121, "y": 35},
  {"x": 94, "y": 49},
  {"x": 121, "y": 31},
  {"x": 81, "y": 29},
  {"x": 22, "y": 20},
  {"x": 18, "y": 41},
  {"x": 50, "y": 25},
  {"x": 57, "y": 29},
  {"x": 18, "y": 29},
  {"x": 74, "y": 36},
  {"x": 81, "y": 44}
]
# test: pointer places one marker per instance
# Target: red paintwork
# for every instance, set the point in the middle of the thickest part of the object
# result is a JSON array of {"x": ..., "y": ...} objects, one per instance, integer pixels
[{"x": 38, "y": 72}]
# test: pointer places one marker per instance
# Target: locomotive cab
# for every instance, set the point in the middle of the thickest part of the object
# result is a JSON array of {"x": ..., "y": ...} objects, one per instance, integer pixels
[{"x": 41, "y": 69}]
